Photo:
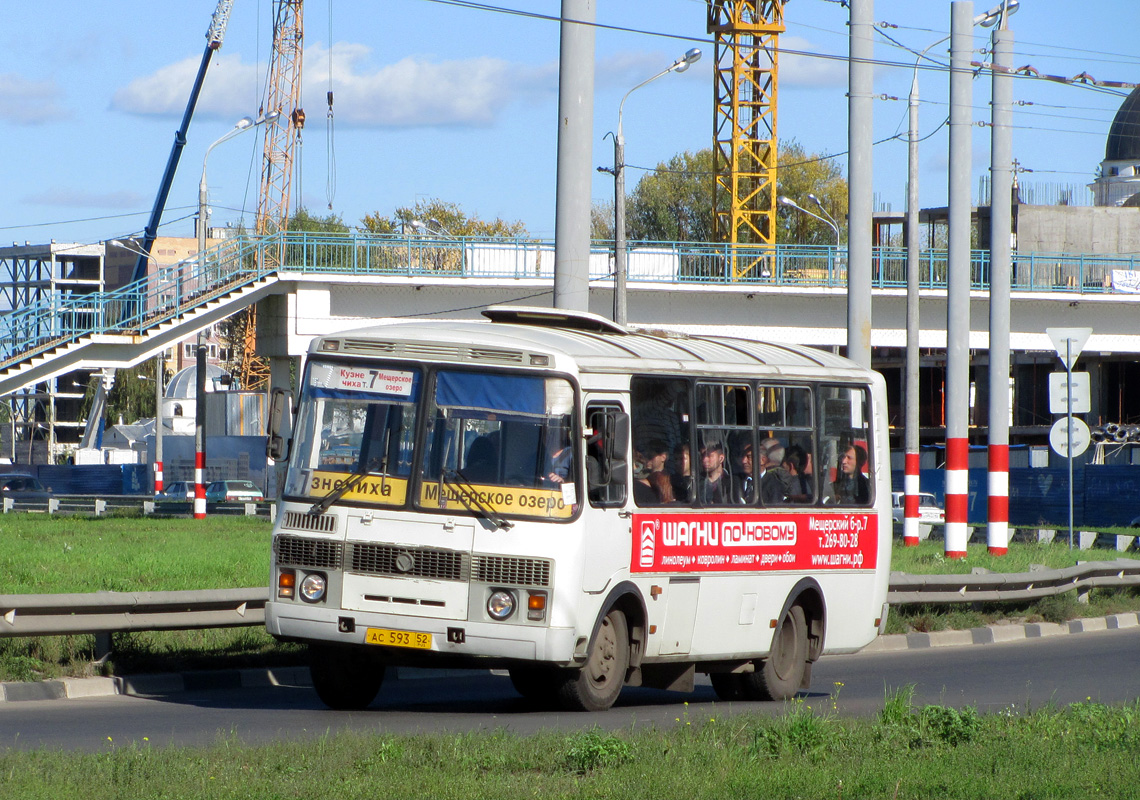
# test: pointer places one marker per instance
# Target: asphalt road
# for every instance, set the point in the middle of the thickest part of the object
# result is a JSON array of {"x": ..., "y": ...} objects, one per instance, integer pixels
[{"x": 1102, "y": 666}]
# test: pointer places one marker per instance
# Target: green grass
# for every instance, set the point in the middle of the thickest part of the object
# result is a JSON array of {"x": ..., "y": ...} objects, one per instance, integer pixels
[
  {"x": 42, "y": 554},
  {"x": 49, "y": 555},
  {"x": 1081, "y": 751}
]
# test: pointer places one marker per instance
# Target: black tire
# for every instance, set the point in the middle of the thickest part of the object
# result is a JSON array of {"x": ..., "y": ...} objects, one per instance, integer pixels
[
  {"x": 596, "y": 686},
  {"x": 781, "y": 674},
  {"x": 537, "y": 684},
  {"x": 727, "y": 685},
  {"x": 345, "y": 678}
]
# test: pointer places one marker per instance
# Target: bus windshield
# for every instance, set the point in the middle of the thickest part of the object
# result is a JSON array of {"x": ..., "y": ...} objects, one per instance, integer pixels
[
  {"x": 502, "y": 441},
  {"x": 357, "y": 425}
]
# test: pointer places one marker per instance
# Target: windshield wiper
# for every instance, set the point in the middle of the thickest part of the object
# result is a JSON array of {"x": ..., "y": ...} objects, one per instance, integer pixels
[
  {"x": 322, "y": 505},
  {"x": 470, "y": 498}
]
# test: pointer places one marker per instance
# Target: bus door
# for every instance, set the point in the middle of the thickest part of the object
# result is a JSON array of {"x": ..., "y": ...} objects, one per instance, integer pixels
[{"x": 606, "y": 532}]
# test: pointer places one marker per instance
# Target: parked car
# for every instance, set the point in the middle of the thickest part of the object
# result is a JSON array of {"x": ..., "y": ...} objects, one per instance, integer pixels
[
  {"x": 929, "y": 512},
  {"x": 233, "y": 492},
  {"x": 176, "y": 492},
  {"x": 20, "y": 486}
]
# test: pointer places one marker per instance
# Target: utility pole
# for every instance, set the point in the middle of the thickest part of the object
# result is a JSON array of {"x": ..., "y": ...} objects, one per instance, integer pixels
[
  {"x": 860, "y": 114},
  {"x": 1001, "y": 228},
  {"x": 575, "y": 169},
  {"x": 958, "y": 282}
]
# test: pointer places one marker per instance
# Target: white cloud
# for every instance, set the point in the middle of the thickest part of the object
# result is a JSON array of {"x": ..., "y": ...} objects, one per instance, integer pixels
[
  {"x": 26, "y": 102},
  {"x": 413, "y": 92},
  {"x": 809, "y": 71},
  {"x": 79, "y": 198}
]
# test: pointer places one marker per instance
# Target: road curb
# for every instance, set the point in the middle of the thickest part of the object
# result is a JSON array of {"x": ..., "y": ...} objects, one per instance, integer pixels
[
  {"x": 998, "y": 634},
  {"x": 175, "y": 683}
]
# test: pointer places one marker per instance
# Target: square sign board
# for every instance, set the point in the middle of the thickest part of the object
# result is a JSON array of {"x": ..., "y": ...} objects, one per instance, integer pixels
[{"x": 1058, "y": 393}]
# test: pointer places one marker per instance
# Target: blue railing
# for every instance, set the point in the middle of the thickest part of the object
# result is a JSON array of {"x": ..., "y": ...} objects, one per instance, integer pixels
[{"x": 58, "y": 320}]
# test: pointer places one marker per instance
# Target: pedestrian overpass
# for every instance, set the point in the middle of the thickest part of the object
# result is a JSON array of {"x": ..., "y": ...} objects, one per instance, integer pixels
[{"x": 313, "y": 284}]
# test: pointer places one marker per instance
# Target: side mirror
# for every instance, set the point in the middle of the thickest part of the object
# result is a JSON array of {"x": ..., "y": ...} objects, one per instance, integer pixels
[
  {"x": 276, "y": 445},
  {"x": 617, "y": 446}
]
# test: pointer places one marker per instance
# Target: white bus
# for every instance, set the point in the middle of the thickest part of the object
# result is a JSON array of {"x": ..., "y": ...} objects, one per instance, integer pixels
[{"x": 585, "y": 506}]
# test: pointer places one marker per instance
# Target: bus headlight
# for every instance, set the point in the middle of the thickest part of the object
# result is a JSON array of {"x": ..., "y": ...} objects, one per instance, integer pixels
[
  {"x": 501, "y": 604},
  {"x": 313, "y": 587}
]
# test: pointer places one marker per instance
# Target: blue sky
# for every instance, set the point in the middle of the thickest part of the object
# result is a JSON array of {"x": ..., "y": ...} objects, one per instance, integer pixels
[{"x": 435, "y": 100}]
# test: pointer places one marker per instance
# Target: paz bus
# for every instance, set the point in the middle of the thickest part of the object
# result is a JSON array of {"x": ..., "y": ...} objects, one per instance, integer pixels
[{"x": 584, "y": 505}]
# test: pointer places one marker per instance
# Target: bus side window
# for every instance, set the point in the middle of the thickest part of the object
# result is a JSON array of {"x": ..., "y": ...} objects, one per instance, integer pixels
[{"x": 607, "y": 456}]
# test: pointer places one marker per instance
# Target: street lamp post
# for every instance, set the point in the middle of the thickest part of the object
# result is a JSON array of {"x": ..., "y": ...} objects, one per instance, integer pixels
[
  {"x": 829, "y": 221},
  {"x": 680, "y": 65},
  {"x": 243, "y": 124}
]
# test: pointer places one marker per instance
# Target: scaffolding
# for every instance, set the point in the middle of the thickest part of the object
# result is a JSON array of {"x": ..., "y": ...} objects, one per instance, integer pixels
[
  {"x": 45, "y": 274},
  {"x": 744, "y": 124}
]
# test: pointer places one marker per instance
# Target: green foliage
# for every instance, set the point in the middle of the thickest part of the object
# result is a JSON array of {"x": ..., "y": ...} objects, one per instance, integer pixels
[
  {"x": 594, "y": 750},
  {"x": 442, "y": 219},
  {"x": 800, "y": 731},
  {"x": 131, "y": 398},
  {"x": 674, "y": 202},
  {"x": 900, "y": 725},
  {"x": 1087, "y": 750}
]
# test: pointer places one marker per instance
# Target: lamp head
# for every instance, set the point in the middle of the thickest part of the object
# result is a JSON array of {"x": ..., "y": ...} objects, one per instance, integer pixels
[
  {"x": 691, "y": 56},
  {"x": 784, "y": 200},
  {"x": 243, "y": 123},
  {"x": 992, "y": 16}
]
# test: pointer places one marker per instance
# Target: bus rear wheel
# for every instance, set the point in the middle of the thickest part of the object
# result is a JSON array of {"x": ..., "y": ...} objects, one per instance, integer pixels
[
  {"x": 597, "y": 685},
  {"x": 781, "y": 674},
  {"x": 345, "y": 678}
]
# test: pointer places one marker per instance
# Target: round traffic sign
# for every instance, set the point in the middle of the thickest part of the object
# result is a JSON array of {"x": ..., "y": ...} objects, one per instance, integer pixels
[{"x": 1059, "y": 436}]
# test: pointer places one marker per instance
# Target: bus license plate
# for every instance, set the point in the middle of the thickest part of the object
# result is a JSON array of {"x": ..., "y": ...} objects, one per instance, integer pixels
[{"x": 390, "y": 638}]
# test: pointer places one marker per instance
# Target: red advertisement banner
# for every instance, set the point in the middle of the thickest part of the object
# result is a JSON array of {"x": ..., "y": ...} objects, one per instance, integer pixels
[{"x": 754, "y": 542}]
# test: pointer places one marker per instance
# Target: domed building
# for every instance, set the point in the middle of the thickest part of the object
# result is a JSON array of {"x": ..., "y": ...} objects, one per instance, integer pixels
[
  {"x": 180, "y": 398},
  {"x": 1119, "y": 181}
]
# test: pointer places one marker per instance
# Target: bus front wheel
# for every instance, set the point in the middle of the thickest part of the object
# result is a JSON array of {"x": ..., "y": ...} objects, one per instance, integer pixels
[
  {"x": 597, "y": 685},
  {"x": 346, "y": 679}
]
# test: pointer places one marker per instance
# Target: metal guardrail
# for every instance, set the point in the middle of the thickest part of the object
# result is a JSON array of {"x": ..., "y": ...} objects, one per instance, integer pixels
[
  {"x": 111, "y": 612},
  {"x": 999, "y": 587},
  {"x": 97, "y": 506}
]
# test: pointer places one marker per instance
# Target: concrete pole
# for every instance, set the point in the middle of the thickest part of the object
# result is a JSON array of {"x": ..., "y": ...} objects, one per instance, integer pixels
[
  {"x": 860, "y": 112},
  {"x": 958, "y": 282},
  {"x": 575, "y": 156},
  {"x": 1001, "y": 227},
  {"x": 158, "y": 370},
  {"x": 911, "y": 484},
  {"x": 619, "y": 227},
  {"x": 200, "y": 432}
]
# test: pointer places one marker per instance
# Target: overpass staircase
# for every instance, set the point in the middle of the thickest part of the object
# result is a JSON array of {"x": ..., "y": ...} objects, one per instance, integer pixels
[{"x": 60, "y": 333}]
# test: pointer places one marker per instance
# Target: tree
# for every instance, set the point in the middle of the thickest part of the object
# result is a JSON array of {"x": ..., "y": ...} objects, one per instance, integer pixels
[
  {"x": 799, "y": 174},
  {"x": 674, "y": 202},
  {"x": 434, "y": 220},
  {"x": 442, "y": 219}
]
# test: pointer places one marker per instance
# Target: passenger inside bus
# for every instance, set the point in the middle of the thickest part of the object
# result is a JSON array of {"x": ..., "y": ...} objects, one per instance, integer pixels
[
  {"x": 851, "y": 486},
  {"x": 746, "y": 485},
  {"x": 795, "y": 459},
  {"x": 681, "y": 476},
  {"x": 652, "y": 485},
  {"x": 482, "y": 463},
  {"x": 561, "y": 457},
  {"x": 716, "y": 481}
]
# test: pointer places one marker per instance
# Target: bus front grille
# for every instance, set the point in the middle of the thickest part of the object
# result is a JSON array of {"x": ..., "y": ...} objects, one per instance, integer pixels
[
  {"x": 510, "y": 571},
  {"x": 412, "y": 562},
  {"x": 324, "y": 523},
  {"x": 295, "y": 551}
]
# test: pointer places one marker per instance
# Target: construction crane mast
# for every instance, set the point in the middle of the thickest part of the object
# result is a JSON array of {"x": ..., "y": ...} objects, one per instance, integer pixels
[
  {"x": 744, "y": 122},
  {"x": 282, "y": 134}
]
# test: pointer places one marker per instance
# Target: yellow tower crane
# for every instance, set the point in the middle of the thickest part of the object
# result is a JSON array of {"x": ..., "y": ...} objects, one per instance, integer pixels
[
  {"x": 744, "y": 122},
  {"x": 281, "y": 137}
]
